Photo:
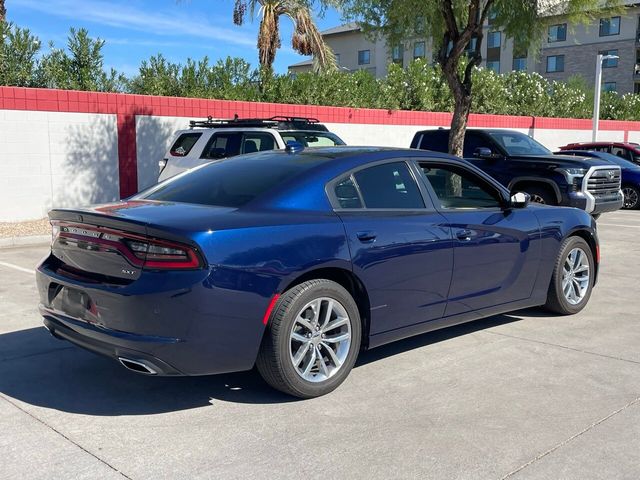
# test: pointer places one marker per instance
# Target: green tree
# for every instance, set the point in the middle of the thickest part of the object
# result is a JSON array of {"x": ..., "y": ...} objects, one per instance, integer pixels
[
  {"x": 81, "y": 67},
  {"x": 306, "y": 38},
  {"x": 18, "y": 56},
  {"x": 455, "y": 28},
  {"x": 3, "y": 11}
]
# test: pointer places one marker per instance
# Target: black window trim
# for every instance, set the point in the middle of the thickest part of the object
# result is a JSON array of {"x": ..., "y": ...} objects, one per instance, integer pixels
[
  {"x": 549, "y": 40},
  {"x": 502, "y": 191},
  {"x": 424, "y": 193},
  {"x": 609, "y": 19}
]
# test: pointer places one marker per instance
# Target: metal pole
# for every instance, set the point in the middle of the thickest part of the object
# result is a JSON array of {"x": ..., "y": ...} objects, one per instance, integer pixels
[{"x": 596, "y": 98}]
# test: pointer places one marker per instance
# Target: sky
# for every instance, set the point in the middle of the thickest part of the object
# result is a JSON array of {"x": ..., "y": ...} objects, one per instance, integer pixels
[{"x": 134, "y": 30}]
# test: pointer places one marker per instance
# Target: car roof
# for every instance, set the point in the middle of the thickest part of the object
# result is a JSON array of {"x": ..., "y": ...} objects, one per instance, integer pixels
[{"x": 597, "y": 144}]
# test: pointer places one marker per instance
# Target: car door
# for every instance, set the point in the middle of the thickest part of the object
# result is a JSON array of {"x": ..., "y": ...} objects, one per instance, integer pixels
[
  {"x": 401, "y": 248},
  {"x": 497, "y": 249}
]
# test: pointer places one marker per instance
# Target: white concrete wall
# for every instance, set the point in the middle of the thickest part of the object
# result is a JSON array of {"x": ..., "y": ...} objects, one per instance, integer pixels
[{"x": 51, "y": 159}]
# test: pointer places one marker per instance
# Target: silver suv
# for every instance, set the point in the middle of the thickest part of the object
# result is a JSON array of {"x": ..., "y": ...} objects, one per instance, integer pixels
[{"x": 212, "y": 139}]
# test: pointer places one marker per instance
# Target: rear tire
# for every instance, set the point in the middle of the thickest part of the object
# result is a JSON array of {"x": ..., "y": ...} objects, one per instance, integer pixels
[
  {"x": 312, "y": 339},
  {"x": 631, "y": 197},
  {"x": 572, "y": 279}
]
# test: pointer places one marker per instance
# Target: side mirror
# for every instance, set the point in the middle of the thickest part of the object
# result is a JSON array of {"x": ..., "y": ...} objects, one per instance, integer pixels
[
  {"x": 519, "y": 200},
  {"x": 483, "y": 152}
]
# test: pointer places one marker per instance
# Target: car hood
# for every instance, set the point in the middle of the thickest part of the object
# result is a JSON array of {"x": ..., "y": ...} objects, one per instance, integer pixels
[{"x": 571, "y": 161}]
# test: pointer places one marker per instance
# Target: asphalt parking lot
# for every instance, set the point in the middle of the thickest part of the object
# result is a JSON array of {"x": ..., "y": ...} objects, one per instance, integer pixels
[{"x": 521, "y": 396}]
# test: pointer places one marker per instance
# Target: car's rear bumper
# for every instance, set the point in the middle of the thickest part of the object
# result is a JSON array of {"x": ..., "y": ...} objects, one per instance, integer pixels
[{"x": 178, "y": 325}]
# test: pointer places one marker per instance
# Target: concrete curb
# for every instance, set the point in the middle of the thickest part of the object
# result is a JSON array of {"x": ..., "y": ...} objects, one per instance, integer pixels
[{"x": 25, "y": 241}]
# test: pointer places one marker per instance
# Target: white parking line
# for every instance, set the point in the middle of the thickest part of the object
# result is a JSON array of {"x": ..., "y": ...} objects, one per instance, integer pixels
[
  {"x": 16, "y": 267},
  {"x": 617, "y": 225}
]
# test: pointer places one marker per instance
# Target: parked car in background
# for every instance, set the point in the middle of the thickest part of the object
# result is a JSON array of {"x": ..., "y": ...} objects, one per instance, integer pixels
[
  {"x": 295, "y": 262},
  {"x": 630, "y": 174},
  {"x": 625, "y": 150},
  {"x": 212, "y": 139},
  {"x": 521, "y": 164}
]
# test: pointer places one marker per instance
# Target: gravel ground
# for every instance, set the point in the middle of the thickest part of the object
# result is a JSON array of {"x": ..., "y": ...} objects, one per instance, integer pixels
[{"x": 25, "y": 229}]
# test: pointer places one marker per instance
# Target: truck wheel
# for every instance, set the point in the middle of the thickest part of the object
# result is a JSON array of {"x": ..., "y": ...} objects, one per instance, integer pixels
[
  {"x": 541, "y": 195},
  {"x": 312, "y": 340},
  {"x": 631, "y": 197},
  {"x": 572, "y": 279}
]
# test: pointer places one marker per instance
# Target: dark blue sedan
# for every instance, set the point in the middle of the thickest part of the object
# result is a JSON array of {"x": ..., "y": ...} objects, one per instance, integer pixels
[
  {"x": 296, "y": 261},
  {"x": 630, "y": 174}
]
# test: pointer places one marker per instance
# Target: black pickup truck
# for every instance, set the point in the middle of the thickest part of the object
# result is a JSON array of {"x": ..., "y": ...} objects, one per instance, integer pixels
[{"x": 524, "y": 165}]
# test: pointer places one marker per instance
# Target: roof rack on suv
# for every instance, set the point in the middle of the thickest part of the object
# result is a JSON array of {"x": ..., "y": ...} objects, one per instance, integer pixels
[{"x": 277, "y": 122}]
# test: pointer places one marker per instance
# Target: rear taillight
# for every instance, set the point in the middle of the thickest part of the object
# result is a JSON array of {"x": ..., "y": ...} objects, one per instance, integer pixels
[{"x": 140, "y": 251}]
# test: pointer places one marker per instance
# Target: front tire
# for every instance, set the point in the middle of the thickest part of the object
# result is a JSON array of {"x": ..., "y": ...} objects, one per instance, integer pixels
[
  {"x": 572, "y": 279},
  {"x": 312, "y": 339},
  {"x": 631, "y": 197}
]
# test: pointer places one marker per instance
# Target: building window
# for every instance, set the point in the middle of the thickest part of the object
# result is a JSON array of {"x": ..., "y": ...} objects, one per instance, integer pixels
[
  {"x": 520, "y": 64},
  {"x": 397, "y": 54},
  {"x": 557, "y": 33},
  {"x": 419, "y": 27},
  {"x": 609, "y": 26},
  {"x": 494, "y": 39},
  {"x": 337, "y": 55},
  {"x": 610, "y": 62},
  {"x": 364, "y": 57},
  {"x": 471, "y": 46},
  {"x": 494, "y": 65},
  {"x": 555, "y": 63},
  {"x": 492, "y": 16},
  {"x": 636, "y": 88},
  {"x": 609, "y": 87},
  {"x": 419, "y": 50}
]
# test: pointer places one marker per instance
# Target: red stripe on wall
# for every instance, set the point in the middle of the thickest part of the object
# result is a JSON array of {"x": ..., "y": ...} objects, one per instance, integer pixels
[
  {"x": 127, "y": 106},
  {"x": 127, "y": 155}
]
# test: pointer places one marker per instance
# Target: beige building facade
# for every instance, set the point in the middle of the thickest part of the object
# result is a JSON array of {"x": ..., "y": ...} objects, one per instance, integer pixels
[{"x": 567, "y": 51}]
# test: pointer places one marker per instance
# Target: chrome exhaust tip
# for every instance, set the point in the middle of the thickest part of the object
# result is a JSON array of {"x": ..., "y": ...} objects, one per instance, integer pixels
[{"x": 137, "y": 366}]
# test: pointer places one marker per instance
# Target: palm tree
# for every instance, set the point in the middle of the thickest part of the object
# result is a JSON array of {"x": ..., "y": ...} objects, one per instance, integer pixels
[{"x": 306, "y": 38}]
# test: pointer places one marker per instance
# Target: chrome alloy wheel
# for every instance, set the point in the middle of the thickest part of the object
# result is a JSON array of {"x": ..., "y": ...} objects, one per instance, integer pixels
[
  {"x": 575, "y": 276},
  {"x": 320, "y": 339},
  {"x": 630, "y": 197},
  {"x": 535, "y": 198}
]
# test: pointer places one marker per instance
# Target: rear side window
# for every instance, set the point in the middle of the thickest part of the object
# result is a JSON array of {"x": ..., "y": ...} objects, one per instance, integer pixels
[
  {"x": 436, "y": 140},
  {"x": 347, "y": 194},
  {"x": 390, "y": 185},
  {"x": 183, "y": 145},
  {"x": 257, "y": 142},
  {"x": 222, "y": 145},
  {"x": 621, "y": 152}
]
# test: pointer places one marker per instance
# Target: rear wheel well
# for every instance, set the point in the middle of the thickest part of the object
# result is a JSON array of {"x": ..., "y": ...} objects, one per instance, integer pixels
[{"x": 350, "y": 282}]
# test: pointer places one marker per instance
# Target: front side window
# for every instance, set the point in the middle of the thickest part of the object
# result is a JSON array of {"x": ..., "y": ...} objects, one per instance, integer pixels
[
  {"x": 555, "y": 63},
  {"x": 222, "y": 145},
  {"x": 419, "y": 50},
  {"x": 459, "y": 189},
  {"x": 494, "y": 39},
  {"x": 557, "y": 33},
  {"x": 609, "y": 26},
  {"x": 516, "y": 143},
  {"x": 183, "y": 145},
  {"x": 390, "y": 185},
  {"x": 364, "y": 57}
]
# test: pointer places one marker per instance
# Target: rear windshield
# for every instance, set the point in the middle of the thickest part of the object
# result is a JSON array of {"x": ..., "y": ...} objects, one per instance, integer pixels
[{"x": 233, "y": 182}]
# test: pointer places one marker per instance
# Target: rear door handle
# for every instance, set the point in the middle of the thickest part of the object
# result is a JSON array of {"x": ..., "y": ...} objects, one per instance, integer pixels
[
  {"x": 464, "y": 235},
  {"x": 366, "y": 236}
]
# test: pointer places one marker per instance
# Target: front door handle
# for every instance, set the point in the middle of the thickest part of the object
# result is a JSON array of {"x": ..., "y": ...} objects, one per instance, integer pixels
[
  {"x": 366, "y": 236},
  {"x": 464, "y": 235}
]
